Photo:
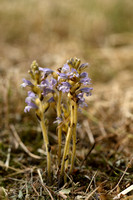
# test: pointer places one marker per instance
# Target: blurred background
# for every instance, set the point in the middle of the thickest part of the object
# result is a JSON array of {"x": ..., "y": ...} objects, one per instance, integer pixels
[{"x": 96, "y": 31}]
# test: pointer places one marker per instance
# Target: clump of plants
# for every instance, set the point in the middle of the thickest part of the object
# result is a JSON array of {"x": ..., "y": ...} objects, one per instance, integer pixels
[{"x": 65, "y": 89}]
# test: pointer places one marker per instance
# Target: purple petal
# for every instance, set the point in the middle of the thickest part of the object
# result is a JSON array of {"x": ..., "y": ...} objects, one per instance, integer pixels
[
  {"x": 26, "y": 83},
  {"x": 58, "y": 120},
  {"x": 47, "y": 91},
  {"x": 83, "y": 75},
  {"x": 31, "y": 97},
  {"x": 80, "y": 97},
  {"x": 31, "y": 94},
  {"x": 85, "y": 81},
  {"x": 86, "y": 90},
  {"x": 65, "y": 68},
  {"x": 46, "y": 71},
  {"x": 73, "y": 73},
  {"x": 53, "y": 82},
  {"x": 44, "y": 84},
  {"x": 64, "y": 87},
  {"x": 30, "y": 106},
  {"x": 28, "y": 100},
  {"x": 27, "y": 109},
  {"x": 74, "y": 70},
  {"x": 51, "y": 100},
  {"x": 83, "y": 66},
  {"x": 62, "y": 76},
  {"x": 83, "y": 104}
]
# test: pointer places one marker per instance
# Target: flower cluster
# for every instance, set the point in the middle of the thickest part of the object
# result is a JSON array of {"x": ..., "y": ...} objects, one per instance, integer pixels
[
  {"x": 72, "y": 80},
  {"x": 48, "y": 86},
  {"x": 40, "y": 88}
]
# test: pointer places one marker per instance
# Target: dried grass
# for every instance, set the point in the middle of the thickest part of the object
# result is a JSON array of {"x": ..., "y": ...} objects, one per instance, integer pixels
[{"x": 60, "y": 30}]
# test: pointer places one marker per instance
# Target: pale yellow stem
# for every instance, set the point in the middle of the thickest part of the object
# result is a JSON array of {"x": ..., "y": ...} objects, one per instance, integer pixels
[
  {"x": 74, "y": 137},
  {"x": 59, "y": 128},
  {"x": 45, "y": 137},
  {"x": 66, "y": 163},
  {"x": 68, "y": 138}
]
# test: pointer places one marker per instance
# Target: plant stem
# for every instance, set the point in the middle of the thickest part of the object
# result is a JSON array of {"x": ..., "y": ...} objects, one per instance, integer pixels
[
  {"x": 68, "y": 138},
  {"x": 66, "y": 163},
  {"x": 59, "y": 128},
  {"x": 74, "y": 137},
  {"x": 45, "y": 137}
]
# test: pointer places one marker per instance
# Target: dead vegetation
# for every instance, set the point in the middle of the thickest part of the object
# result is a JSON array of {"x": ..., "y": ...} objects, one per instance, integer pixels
[{"x": 104, "y": 165}]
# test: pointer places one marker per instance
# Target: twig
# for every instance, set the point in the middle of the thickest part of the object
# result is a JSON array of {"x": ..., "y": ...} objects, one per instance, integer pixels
[
  {"x": 90, "y": 150},
  {"x": 128, "y": 198},
  {"x": 27, "y": 195},
  {"x": 35, "y": 189},
  {"x": 16, "y": 136},
  {"x": 89, "y": 132},
  {"x": 44, "y": 186},
  {"x": 91, "y": 193},
  {"x": 17, "y": 172},
  {"x": 91, "y": 182},
  {"x": 62, "y": 195},
  {"x": 122, "y": 176},
  {"x": 129, "y": 189},
  {"x": 12, "y": 168},
  {"x": 101, "y": 126},
  {"x": 8, "y": 158}
]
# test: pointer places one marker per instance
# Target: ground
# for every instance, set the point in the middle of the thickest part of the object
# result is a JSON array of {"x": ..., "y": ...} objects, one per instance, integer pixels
[{"x": 52, "y": 32}]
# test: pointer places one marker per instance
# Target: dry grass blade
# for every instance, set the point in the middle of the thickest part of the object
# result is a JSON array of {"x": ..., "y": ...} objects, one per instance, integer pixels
[
  {"x": 91, "y": 193},
  {"x": 91, "y": 182},
  {"x": 88, "y": 131},
  {"x": 35, "y": 190},
  {"x": 12, "y": 168},
  {"x": 18, "y": 171},
  {"x": 105, "y": 40},
  {"x": 12, "y": 127},
  {"x": 3, "y": 194},
  {"x": 62, "y": 195},
  {"x": 89, "y": 151},
  {"x": 46, "y": 189},
  {"x": 8, "y": 158},
  {"x": 129, "y": 189},
  {"x": 122, "y": 175}
]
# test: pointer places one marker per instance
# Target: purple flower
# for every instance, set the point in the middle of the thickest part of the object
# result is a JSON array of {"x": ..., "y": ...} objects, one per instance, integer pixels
[
  {"x": 86, "y": 91},
  {"x": 83, "y": 75},
  {"x": 64, "y": 87},
  {"x": 31, "y": 97},
  {"x": 47, "y": 91},
  {"x": 51, "y": 100},
  {"x": 62, "y": 76},
  {"x": 73, "y": 73},
  {"x": 65, "y": 68},
  {"x": 83, "y": 66},
  {"x": 48, "y": 84},
  {"x": 82, "y": 104},
  {"x": 68, "y": 73},
  {"x": 85, "y": 81},
  {"x": 30, "y": 106},
  {"x": 80, "y": 97},
  {"x": 46, "y": 71},
  {"x": 31, "y": 94},
  {"x": 44, "y": 83},
  {"x": 58, "y": 120},
  {"x": 26, "y": 83},
  {"x": 81, "y": 100},
  {"x": 29, "y": 100},
  {"x": 53, "y": 82}
]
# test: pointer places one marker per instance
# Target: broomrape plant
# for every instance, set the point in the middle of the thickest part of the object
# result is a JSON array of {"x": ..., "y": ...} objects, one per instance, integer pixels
[{"x": 66, "y": 88}]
